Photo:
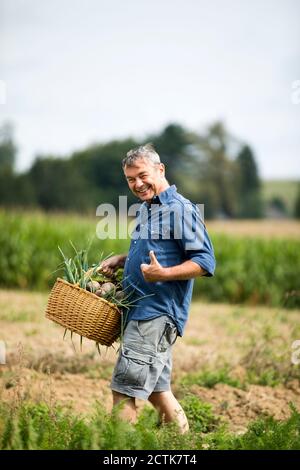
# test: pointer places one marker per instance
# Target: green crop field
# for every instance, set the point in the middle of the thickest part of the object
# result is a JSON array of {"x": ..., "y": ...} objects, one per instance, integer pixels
[
  {"x": 251, "y": 268},
  {"x": 284, "y": 189},
  {"x": 232, "y": 371}
]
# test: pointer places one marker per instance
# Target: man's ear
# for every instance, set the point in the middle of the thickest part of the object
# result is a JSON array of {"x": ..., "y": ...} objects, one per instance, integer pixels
[{"x": 162, "y": 169}]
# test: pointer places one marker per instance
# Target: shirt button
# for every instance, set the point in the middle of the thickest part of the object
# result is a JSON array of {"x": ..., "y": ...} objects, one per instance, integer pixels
[{"x": 135, "y": 241}]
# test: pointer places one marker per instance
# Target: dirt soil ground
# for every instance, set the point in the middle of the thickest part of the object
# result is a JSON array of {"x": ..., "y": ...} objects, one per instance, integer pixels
[{"x": 41, "y": 365}]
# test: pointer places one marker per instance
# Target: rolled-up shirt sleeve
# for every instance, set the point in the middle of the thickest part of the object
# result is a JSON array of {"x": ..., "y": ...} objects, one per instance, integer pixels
[{"x": 193, "y": 238}]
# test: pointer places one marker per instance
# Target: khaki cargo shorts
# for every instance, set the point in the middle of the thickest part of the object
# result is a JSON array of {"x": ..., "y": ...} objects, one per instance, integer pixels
[{"x": 144, "y": 364}]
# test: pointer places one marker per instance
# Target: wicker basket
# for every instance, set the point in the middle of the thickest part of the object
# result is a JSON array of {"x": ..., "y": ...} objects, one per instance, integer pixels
[{"x": 83, "y": 312}]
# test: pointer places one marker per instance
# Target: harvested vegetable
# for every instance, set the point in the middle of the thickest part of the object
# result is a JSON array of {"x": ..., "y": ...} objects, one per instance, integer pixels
[
  {"x": 90, "y": 278},
  {"x": 93, "y": 286}
]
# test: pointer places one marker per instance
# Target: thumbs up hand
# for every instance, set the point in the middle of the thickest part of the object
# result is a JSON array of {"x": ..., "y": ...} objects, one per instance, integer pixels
[{"x": 153, "y": 272}]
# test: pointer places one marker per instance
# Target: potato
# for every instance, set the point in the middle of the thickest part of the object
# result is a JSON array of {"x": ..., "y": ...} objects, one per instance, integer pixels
[
  {"x": 92, "y": 286},
  {"x": 107, "y": 287},
  {"x": 120, "y": 295},
  {"x": 99, "y": 293}
]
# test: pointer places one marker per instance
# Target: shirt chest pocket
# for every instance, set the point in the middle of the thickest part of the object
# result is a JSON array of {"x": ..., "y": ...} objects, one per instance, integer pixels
[
  {"x": 158, "y": 239},
  {"x": 155, "y": 238},
  {"x": 155, "y": 245},
  {"x": 159, "y": 233}
]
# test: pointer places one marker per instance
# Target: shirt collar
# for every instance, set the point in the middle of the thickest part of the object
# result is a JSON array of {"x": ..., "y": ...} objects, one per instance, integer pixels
[{"x": 165, "y": 196}]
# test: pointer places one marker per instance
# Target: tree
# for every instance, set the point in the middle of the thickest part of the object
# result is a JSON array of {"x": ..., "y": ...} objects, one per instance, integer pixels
[
  {"x": 58, "y": 185},
  {"x": 215, "y": 171},
  {"x": 278, "y": 204},
  {"x": 249, "y": 187},
  {"x": 101, "y": 165},
  {"x": 171, "y": 146},
  {"x": 297, "y": 204},
  {"x": 7, "y": 148},
  {"x": 205, "y": 167},
  {"x": 7, "y": 161}
]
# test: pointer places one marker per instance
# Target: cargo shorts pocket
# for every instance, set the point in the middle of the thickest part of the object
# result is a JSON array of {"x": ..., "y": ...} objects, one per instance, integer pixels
[
  {"x": 133, "y": 368},
  {"x": 168, "y": 337}
]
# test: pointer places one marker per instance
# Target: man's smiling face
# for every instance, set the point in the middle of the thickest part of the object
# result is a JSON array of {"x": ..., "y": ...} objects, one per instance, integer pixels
[{"x": 145, "y": 179}]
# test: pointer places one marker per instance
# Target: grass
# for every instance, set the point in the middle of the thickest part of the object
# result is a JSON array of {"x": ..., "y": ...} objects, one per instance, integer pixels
[
  {"x": 208, "y": 378},
  {"x": 266, "y": 375},
  {"x": 263, "y": 434},
  {"x": 199, "y": 414},
  {"x": 12, "y": 315},
  {"x": 38, "y": 426},
  {"x": 21, "y": 307},
  {"x": 225, "y": 350},
  {"x": 264, "y": 362},
  {"x": 269, "y": 434},
  {"x": 58, "y": 362}
]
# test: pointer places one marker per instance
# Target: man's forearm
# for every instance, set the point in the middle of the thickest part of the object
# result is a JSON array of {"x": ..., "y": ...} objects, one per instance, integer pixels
[
  {"x": 181, "y": 272},
  {"x": 122, "y": 259}
]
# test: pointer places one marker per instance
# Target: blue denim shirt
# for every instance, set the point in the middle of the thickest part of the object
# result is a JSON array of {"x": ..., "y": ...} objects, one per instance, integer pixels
[{"x": 173, "y": 228}]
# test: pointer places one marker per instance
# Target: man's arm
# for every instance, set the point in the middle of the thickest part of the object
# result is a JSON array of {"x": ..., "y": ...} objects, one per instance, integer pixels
[
  {"x": 186, "y": 270},
  {"x": 111, "y": 264},
  {"x": 194, "y": 240},
  {"x": 154, "y": 272}
]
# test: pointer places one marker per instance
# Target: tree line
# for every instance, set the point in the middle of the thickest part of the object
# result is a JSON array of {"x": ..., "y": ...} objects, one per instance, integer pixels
[{"x": 211, "y": 167}]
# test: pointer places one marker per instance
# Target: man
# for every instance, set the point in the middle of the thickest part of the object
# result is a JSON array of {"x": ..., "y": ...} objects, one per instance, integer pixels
[{"x": 169, "y": 248}]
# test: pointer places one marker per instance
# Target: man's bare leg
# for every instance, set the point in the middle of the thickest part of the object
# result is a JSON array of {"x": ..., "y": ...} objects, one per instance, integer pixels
[
  {"x": 169, "y": 409},
  {"x": 128, "y": 408}
]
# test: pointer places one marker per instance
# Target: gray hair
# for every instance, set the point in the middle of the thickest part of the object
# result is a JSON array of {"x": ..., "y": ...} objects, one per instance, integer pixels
[{"x": 146, "y": 151}]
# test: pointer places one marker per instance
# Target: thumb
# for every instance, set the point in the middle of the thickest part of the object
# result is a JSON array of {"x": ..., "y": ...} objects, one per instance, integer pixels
[{"x": 153, "y": 259}]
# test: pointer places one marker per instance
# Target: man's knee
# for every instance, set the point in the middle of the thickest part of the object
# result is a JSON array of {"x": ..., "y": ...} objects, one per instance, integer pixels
[
  {"x": 125, "y": 406},
  {"x": 119, "y": 397},
  {"x": 159, "y": 398}
]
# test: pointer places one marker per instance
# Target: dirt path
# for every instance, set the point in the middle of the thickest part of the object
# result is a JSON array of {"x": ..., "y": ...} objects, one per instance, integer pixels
[{"x": 40, "y": 365}]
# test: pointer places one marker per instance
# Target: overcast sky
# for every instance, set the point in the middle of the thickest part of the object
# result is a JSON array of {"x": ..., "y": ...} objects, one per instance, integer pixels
[{"x": 79, "y": 72}]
